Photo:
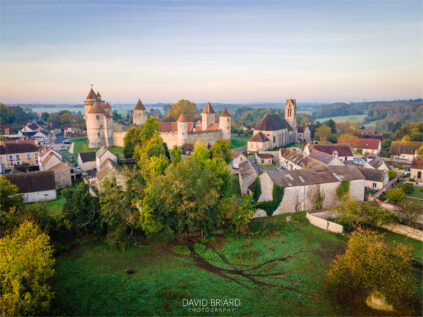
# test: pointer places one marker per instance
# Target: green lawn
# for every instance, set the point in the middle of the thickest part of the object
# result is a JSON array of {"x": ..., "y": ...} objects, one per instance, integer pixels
[
  {"x": 81, "y": 145},
  {"x": 418, "y": 193},
  {"x": 352, "y": 118},
  {"x": 416, "y": 246},
  {"x": 237, "y": 143},
  {"x": 91, "y": 278}
]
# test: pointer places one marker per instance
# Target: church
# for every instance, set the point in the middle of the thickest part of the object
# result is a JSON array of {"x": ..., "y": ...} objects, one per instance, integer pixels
[
  {"x": 273, "y": 131},
  {"x": 102, "y": 130}
]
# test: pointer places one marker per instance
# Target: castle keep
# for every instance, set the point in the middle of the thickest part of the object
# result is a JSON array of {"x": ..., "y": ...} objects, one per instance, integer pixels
[{"x": 102, "y": 130}]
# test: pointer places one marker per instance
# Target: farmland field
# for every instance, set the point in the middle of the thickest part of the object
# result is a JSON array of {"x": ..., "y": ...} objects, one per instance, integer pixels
[
  {"x": 353, "y": 118},
  {"x": 280, "y": 270}
]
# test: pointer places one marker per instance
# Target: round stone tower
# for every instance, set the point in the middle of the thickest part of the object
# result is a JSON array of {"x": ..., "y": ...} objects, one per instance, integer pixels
[
  {"x": 182, "y": 130},
  {"x": 207, "y": 117},
  {"x": 95, "y": 125},
  {"x": 225, "y": 124},
  {"x": 89, "y": 101},
  {"x": 140, "y": 115}
]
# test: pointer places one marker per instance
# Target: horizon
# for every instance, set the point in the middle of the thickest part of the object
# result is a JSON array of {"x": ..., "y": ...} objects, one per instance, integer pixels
[{"x": 233, "y": 52}]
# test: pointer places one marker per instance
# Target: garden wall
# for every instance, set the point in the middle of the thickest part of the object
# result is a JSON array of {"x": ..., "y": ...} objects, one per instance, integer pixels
[{"x": 319, "y": 220}]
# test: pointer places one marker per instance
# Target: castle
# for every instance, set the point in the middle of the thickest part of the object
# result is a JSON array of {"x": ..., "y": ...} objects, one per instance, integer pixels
[
  {"x": 102, "y": 130},
  {"x": 273, "y": 131}
]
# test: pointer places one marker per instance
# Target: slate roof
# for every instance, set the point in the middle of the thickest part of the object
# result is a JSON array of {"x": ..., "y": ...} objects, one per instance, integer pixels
[
  {"x": 371, "y": 174},
  {"x": 259, "y": 137},
  {"x": 139, "y": 105},
  {"x": 404, "y": 147},
  {"x": 87, "y": 156},
  {"x": 374, "y": 161},
  {"x": 314, "y": 176},
  {"x": 342, "y": 149},
  {"x": 417, "y": 162},
  {"x": 33, "y": 181},
  {"x": 18, "y": 146},
  {"x": 273, "y": 122},
  {"x": 301, "y": 129},
  {"x": 208, "y": 108}
]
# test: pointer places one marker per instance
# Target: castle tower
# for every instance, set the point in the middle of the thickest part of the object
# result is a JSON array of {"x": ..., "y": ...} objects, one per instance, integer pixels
[
  {"x": 207, "y": 116},
  {"x": 89, "y": 101},
  {"x": 96, "y": 127},
  {"x": 291, "y": 113},
  {"x": 140, "y": 115},
  {"x": 225, "y": 124},
  {"x": 182, "y": 130}
]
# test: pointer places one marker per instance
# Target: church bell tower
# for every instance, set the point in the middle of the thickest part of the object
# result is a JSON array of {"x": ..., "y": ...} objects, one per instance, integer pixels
[{"x": 291, "y": 113}]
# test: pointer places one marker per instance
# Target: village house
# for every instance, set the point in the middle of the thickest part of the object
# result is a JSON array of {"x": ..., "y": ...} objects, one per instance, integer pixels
[
  {"x": 273, "y": 131},
  {"x": 374, "y": 179},
  {"x": 109, "y": 170},
  {"x": 247, "y": 174},
  {"x": 35, "y": 186},
  {"x": 87, "y": 161},
  {"x": 325, "y": 158},
  {"x": 417, "y": 169},
  {"x": 373, "y": 146},
  {"x": 17, "y": 153},
  {"x": 405, "y": 150},
  {"x": 289, "y": 159},
  {"x": 304, "y": 134},
  {"x": 104, "y": 154},
  {"x": 341, "y": 151},
  {"x": 303, "y": 187},
  {"x": 264, "y": 158},
  {"x": 374, "y": 161},
  {"x": 238, "y": 158},
  {"x": 51, "y": 160}
]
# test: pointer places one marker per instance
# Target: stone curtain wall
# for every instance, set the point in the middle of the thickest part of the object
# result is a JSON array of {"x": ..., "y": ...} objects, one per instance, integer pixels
[
  {"x": 318, "y": 220},
  {"x": 118, "y": 137}
]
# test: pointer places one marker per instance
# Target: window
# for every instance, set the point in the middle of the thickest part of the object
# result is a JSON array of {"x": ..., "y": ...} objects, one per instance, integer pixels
[
  {"x": 101, "y": 126},
  {"x": 262, "y": 161},
  {"x": 419, "y": 174},
  {"x": 97, "y": 117},
  {"x": 98, "y": 133},
  {"x": 36, "y": 161},
  {"x": 274, "y": 139},
  {"x": 36, "y": 155},
  {"x": 10, "y": 157},
  {"x": 18, "y": 157},
  {"x": 374, "y": 185},
  {"x": 28, "y": 155},
  {"x": 18, "y": 163},
  {"x": 11, "y": 164}
]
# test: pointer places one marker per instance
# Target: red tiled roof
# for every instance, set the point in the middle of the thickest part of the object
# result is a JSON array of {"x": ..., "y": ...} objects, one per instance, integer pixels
[
  {"x": 208, "y": 108},
  {"x": 235, "y": 154},
  {"x": 181, "y": 118},
  {"x": 172, "y": 126},
  {"x": 225, "y": 113},
  {"x": 96, "y": 108},
  {"x": 369, "y": 144},
  {"x": 106, "y": 105},
  {"x": 91, "y": 94},
  {"x": 259, "y": 137},
  {"x": 139, "y": 105},
  {"x": 264, "y": 155},
  {"x": 213, "y": 126},
  {"x": 342, "y": 149}
]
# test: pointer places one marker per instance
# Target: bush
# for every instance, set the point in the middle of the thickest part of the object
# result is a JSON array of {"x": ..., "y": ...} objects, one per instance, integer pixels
[
  {"x": 410, "y": 211},
  {"x": 343, "y": 189},
  {"x": 370, "y": 264},
  {"x": 392, "y": 175},
  {"x": 407, "y": 188},
  {"x": 395, "y": 194},
  {"x": 270, "y": 206}
]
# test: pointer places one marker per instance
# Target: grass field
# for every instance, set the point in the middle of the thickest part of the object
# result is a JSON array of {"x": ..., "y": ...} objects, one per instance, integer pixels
[
  {"x": 237, "y": 143},
  {"x": 353, "y": 118},
  {"x": 81, "y": 145},
  {"x": 92, "y": 279}
]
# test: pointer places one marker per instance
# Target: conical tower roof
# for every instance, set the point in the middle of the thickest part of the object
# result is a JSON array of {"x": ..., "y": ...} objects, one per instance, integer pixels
[
  {"x": 208, "y": 108},
  {"x": 91, "y": 94},
  {"x": 182, "y": 118},
  {"x": 96, "y": 108},
  {"x": 225, "y": 113},
  {"x": 98, "y": 94},
  {"x": 139, "y": 105}
]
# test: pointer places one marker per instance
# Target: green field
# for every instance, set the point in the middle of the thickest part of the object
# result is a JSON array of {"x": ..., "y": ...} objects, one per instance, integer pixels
[
  {"x": 237, "y": 143},
  {"x": 352, "y": 118},
  {"x": 81, "y": 145},
  {"x": 279, "y": 272}
]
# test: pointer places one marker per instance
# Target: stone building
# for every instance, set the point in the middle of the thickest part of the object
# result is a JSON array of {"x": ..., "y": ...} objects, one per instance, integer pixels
[
  {"x": 325, "y": 158},
  {"x": 51, "y": 160},
  {"x": 102, "y": 130},
  {"x": 302, "y": 187},
  {"x": 35, "y": 186},
  {"x": 273, "y": 131},
  {"x": 290, "y": 159},
  {"x": 87, "y": 161},
  {"x": 405, "y": 150},
  {"x": 374, "y": 179},
  {"x": 304, "y": 134},
  {"x": 374, "y": 161},
  {"x": 17, "y": 153},
  {"x": 140, "y": 115},
  {"x": 417, "y": 169},
  {"x": 341, "y": 151}
]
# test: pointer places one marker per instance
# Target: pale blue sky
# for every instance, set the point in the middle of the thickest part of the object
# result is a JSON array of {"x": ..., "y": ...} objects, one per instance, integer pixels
[{"x": 221, "y": 51}]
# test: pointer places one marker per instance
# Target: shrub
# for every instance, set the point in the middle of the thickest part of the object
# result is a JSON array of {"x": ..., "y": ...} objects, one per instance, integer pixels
[
  {"x": 407, "y": 188},
  {"x": 392, "y": 175},
  {"x": 370, "y": 264},
  {"x": 395, "y": 194},
  {"x": 343, "y": 189},
  {"x": 270, "y": 206},
  {"x": 410, "y": 210},
  {"x": 352, "y": 214}
]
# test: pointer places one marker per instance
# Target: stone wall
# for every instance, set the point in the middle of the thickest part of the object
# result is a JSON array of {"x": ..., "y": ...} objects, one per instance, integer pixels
[
  {"x": 62, "y": 176},
  {"x": 118, "y": 138},
  {"x": 170, "y": 138},
  {"x": 405, "y": 231},
  {"x": 205, "y": 137},
  {"x": 40, "y": 196},
  {"x": 324, "y": 224}
]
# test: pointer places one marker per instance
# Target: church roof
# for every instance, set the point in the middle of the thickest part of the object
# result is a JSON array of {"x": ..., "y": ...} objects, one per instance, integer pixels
[
  {"x": 139, "y": 105},
  {"x": 259, "y": 137},
  {"x": 96, "y": 108},
  {"x": 91, "y": 94},
  {"x": 273, "y": 122},
  {"x": 208, "y": 108},
  {"x": 181, "y": 118},
  {"x": 225, "y": 113}
]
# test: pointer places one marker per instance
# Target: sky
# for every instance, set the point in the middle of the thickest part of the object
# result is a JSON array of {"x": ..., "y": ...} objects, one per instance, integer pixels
[{"x": 220, "y": 51}]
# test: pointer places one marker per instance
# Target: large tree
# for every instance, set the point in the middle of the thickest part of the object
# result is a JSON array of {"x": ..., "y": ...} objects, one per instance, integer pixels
[
  {"x": 11, "y": 204},
  {"x": 183, "y": 106},
  {"x": 26, "y": 264}
]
